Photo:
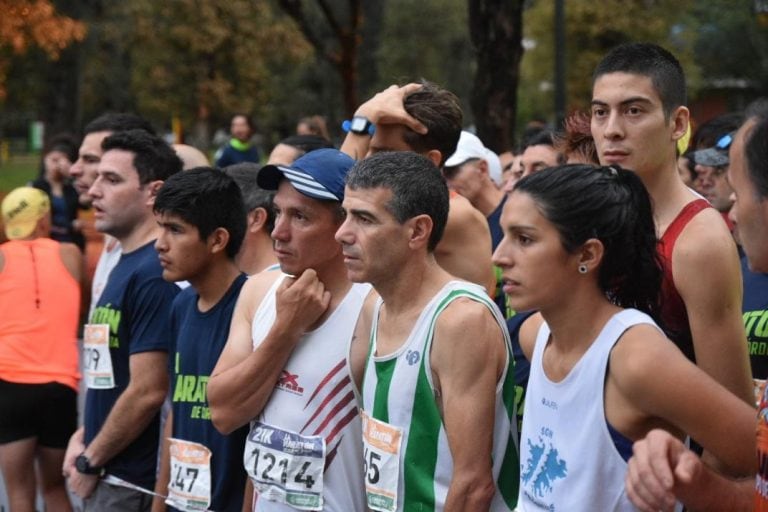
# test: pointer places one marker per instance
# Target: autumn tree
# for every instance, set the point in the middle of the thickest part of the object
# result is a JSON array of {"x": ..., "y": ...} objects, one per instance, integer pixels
[{"x": 26, "y": 23}]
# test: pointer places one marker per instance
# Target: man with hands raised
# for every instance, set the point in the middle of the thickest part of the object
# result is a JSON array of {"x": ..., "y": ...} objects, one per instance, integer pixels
[{"x": 426, "y": 119}]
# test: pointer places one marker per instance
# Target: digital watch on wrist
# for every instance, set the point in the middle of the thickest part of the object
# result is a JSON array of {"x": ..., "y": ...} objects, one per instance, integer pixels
[{"x": 359, "y": 125}]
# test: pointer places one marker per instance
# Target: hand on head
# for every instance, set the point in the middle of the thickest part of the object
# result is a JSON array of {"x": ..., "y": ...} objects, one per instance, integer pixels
[{"x": 386, "y": 107}]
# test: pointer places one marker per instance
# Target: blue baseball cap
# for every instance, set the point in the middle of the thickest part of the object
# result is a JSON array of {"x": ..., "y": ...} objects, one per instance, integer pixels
[{"x": 319, "y": 174}]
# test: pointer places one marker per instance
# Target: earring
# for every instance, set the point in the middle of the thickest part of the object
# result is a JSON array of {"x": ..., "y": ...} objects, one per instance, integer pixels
[{"x": 583, "y": 269}]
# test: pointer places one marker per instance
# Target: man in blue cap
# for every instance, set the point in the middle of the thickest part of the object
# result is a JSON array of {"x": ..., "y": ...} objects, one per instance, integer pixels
[
  {"x": 287, "y": 367},
  {"x": 711, "y": 166}
]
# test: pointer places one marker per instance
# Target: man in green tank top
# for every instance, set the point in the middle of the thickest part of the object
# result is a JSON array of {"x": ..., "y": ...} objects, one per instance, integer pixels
[{"x": 438, "y": 389}]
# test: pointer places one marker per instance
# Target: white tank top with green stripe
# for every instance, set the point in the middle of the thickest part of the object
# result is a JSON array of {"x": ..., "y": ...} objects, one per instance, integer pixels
[{"x": 392, "y": 387}]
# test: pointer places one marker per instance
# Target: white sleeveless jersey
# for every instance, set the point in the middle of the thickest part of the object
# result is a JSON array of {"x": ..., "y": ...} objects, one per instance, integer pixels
[
  {"x": 398, "y": 390},
  {"x": 568, "y": 460},
  {"x": 316, "y": 396}
]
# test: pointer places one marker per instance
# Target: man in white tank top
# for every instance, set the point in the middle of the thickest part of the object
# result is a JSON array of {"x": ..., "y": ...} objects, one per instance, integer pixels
[
  {"x": 437, "y": 390},
  {"x": 287, "y": 367}
]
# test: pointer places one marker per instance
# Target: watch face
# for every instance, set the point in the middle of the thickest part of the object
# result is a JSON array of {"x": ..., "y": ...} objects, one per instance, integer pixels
[{"x": 358, "y": 124}]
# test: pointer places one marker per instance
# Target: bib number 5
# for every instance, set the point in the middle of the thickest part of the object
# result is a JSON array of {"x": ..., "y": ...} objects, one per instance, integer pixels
[{"x": 382, "y": 443}]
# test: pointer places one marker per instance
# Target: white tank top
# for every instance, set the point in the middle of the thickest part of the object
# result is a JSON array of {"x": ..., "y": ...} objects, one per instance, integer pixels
[
  {"x": 316, "y": 396},
  {"x": 398, "y": 391},
  {"x": 568, "y": 460}
]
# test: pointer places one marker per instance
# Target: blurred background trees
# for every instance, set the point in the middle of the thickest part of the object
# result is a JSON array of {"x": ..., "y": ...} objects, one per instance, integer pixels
[{"x": 192, "y": 63}]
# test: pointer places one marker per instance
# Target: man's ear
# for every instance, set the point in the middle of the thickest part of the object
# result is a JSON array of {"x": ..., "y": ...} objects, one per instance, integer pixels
[
  {"x": 153, "y": 187},
  {"x": 435, "y": 156},
  {"x": 679, "y": 119},
  {"x": 483, "y": 166},
  {"x": 218, "y": 240},
  {"x": 420, "y": 230},
  {"x": 257, "y": 219}
]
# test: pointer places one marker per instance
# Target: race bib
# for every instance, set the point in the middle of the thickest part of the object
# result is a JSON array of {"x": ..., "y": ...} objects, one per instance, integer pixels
[
  {"x": 286, "y": 467},
  {"x": 190, "y": 485},
  {"x": 381, "y": 463},
  {"x": 97, "y": 362}
]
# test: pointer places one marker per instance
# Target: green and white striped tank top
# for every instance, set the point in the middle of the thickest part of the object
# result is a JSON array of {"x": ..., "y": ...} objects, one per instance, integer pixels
[{"x": 398, "y": 393}]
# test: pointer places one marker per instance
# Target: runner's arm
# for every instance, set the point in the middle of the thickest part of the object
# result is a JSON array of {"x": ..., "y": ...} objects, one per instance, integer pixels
[
  {"x": 712, "y": 294},
  {"x": 164, "y": 469},
  {"x": 679, "y": 393},
  {"x": 134, "y": 409},
  {"x": 243, "y": 379},
  {"x": 74, "y": 448},
  {"x": 468, "y": 374},
  {"x": 385, "y": 107},
  {"x": 663, "y": 470}
]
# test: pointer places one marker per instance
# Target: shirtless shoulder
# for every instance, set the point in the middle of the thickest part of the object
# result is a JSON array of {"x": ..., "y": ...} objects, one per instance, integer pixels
[{"x": 465, "y": 249}]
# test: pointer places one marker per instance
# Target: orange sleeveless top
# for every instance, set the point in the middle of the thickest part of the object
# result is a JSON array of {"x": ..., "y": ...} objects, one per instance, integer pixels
[{"x": 39, "y": 313}]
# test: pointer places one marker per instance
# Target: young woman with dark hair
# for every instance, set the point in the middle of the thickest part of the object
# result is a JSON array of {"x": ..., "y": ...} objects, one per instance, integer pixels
[{"x": 580, "y": 247}]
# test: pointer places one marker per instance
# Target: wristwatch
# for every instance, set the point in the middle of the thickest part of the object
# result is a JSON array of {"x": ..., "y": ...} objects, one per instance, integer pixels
[
  {"x": 83, "y": 465},
  {"x": 359, "y": 125}
]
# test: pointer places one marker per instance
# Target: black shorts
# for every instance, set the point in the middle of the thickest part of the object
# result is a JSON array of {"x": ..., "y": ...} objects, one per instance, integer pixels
[{"x": 45, "y": 411}]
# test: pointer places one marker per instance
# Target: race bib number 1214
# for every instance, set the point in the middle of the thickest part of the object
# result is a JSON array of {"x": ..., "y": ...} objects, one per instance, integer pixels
[{"x": 286, "y": 467}]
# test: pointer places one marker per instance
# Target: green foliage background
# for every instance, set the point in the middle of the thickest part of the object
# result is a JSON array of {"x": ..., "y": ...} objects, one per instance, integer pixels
[{"x": 201, "y": 60}]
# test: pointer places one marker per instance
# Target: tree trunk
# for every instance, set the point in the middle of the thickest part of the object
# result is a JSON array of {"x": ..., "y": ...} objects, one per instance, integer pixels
[
  {"x": 348, "y": 37},
  {"x": 372, "y": 23},
  {"x": 496, "y": 29},
  {"x": 349, "y": 40}
]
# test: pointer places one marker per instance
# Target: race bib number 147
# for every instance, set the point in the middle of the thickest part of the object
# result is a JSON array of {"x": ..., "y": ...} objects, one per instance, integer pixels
[{"x": 189, "y": 488}]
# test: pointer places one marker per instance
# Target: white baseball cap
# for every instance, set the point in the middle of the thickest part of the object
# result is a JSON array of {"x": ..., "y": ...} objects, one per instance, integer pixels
[{"x": 470, "y": 147}]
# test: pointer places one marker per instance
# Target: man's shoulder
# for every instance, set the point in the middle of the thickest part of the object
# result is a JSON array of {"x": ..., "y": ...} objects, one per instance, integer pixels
[
  {"x": 461, "y": 301},
  {"x": 185, "y": 300},
  {"x": 462, "y": 210},
  {"x": 466, "y": 229},
  {"x": 705, "y": 261},
  {"x": 142, "y": 264},
  {"x": 705, "y": 235},
  {"x": 256, "y": 288},
  {"x": 137, "y": 275}
]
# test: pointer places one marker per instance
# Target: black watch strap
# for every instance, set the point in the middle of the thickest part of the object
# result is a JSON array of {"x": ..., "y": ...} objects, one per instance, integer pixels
[{"x": 83, "y": 465}]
